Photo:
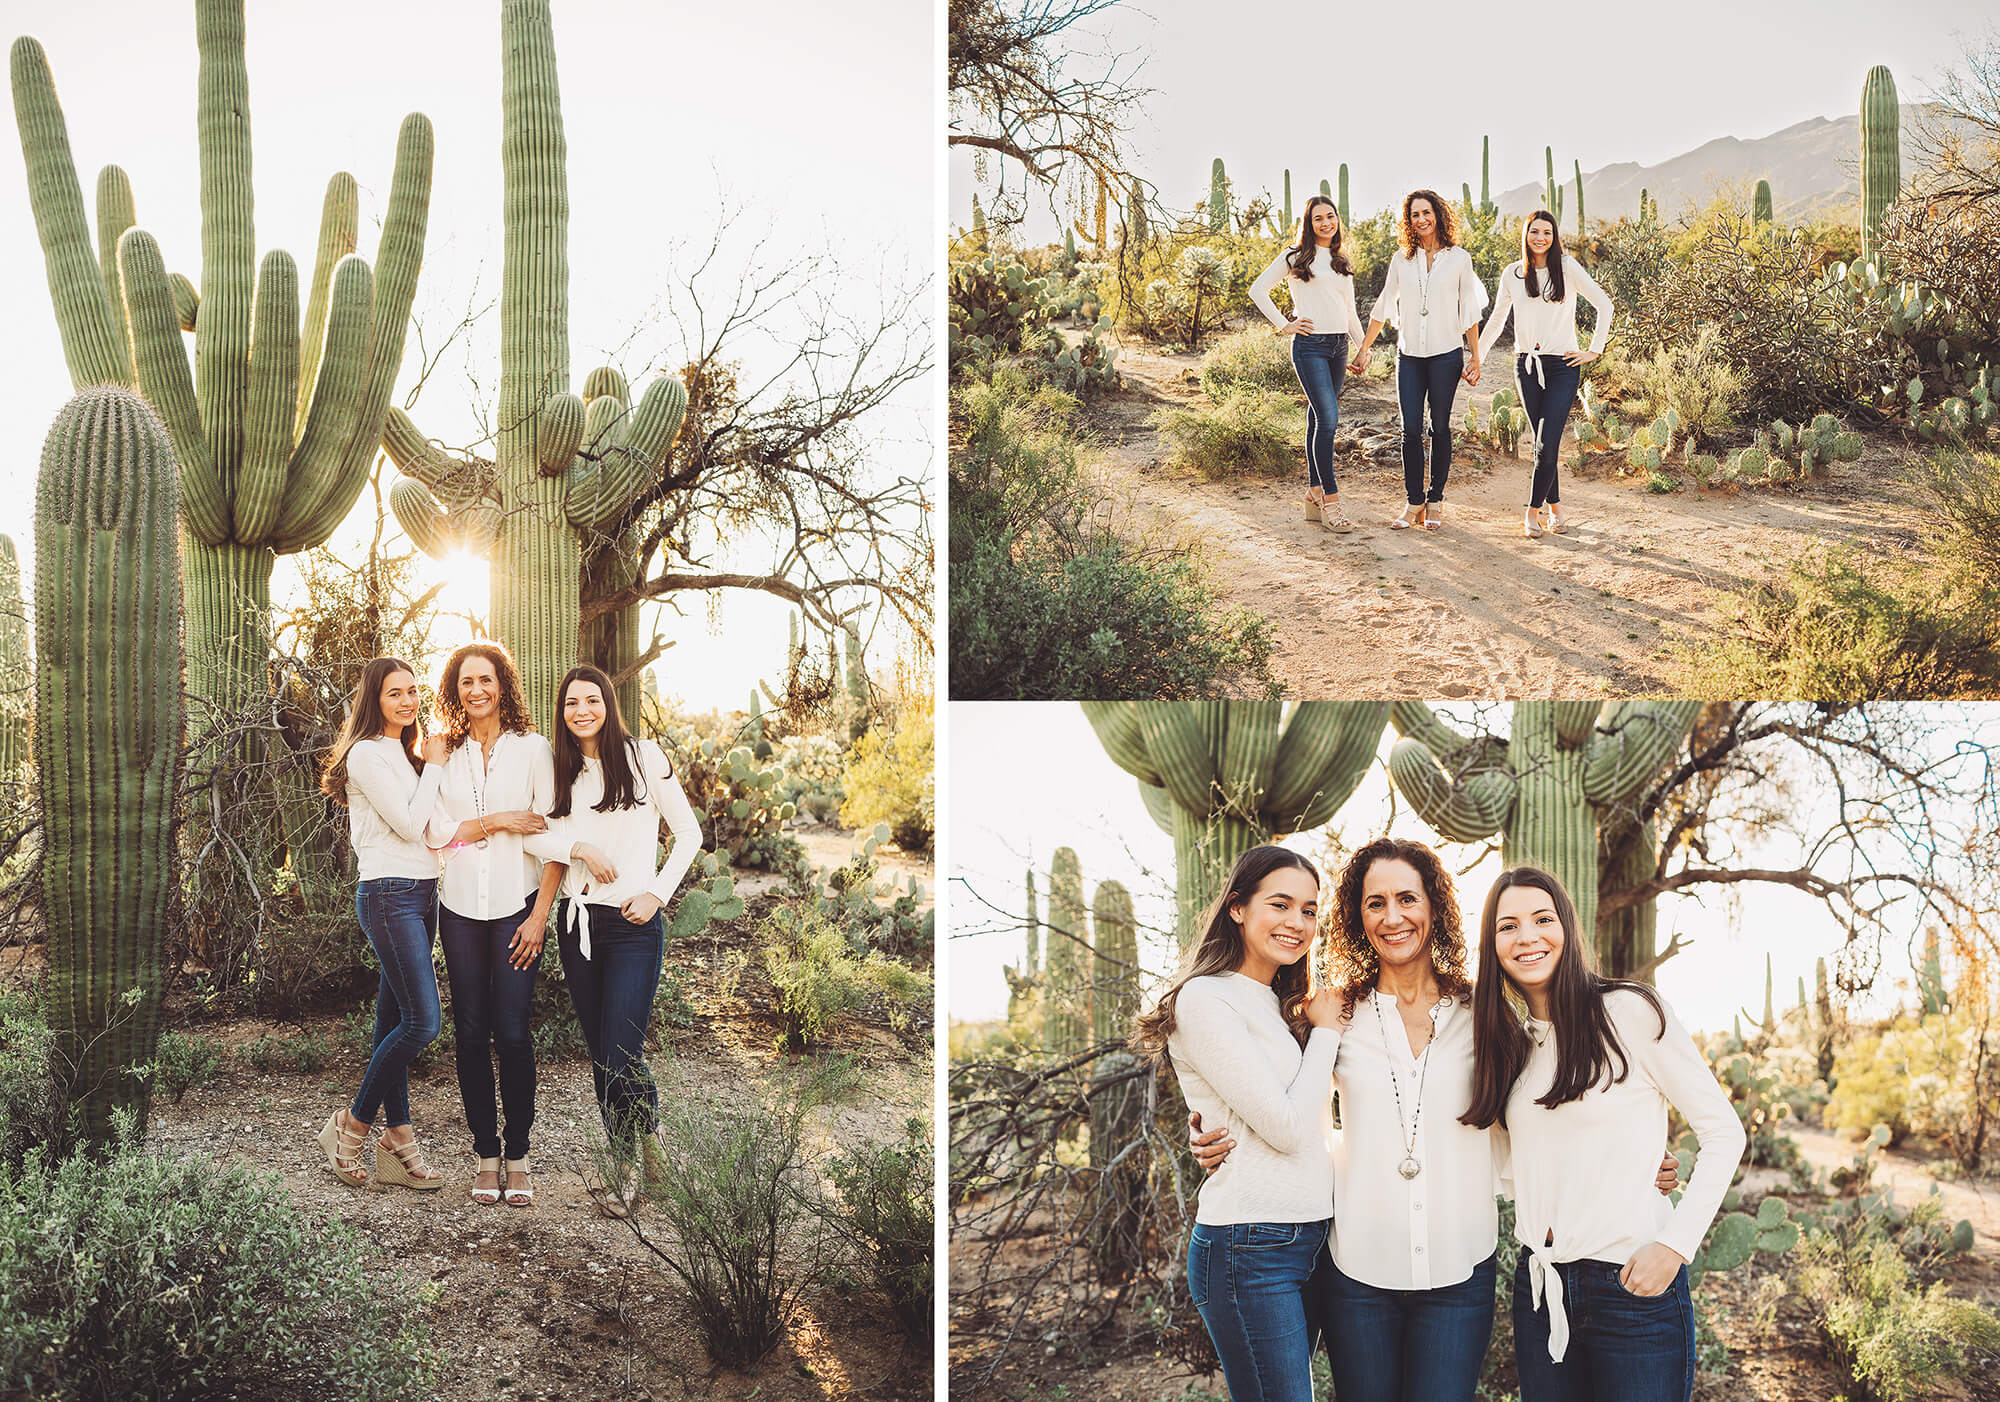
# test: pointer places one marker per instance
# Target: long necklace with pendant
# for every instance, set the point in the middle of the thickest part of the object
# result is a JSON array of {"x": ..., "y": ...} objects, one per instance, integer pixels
[
  {"x": 1409, "y": 1167},
  {"x": 478, "y": 792},
  {"x": 1423, "y": 284}
]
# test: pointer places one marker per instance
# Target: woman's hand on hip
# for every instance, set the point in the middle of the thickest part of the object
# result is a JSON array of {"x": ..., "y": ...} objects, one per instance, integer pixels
[
  {"x": 526, "y": 946},
  {"x": 1211, "y": 1148},
  {"x": 1579, "y": 357},
  {"x": 1652, "y": 1269},
  {"x": 642, "y": 907},
  {"x": 601, "y": 870},
  {"x": 1670, "y": 1174},
  {"x": 1297, "y": 326}
]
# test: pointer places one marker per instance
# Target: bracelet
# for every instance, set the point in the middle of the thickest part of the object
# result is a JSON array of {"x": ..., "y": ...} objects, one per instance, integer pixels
[{"x": 482, "y": 828}]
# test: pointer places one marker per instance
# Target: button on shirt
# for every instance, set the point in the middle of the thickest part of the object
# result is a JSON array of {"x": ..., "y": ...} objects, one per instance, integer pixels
[
  {"x": 491, "y": 879},
  {"x": 1449, "y": 287},
  {"x": 389, "y": 804},
  {"x": 1398, "y": 1233},
  {"x": 1327, "y": 300}
]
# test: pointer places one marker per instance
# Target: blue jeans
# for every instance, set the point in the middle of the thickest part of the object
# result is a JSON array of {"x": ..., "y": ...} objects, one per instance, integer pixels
[
  {"x": 1433, "y": 378},
  {"x": 398, "y": 914},
  {"x": 1320, "y": 362},
  {"x": 612, "y": 992},
  {"x": 1548, "y": 410},
  {"x": 1624, "y": 1346},
  {"x": 490, "y": 999},
  {"x": 1248, "y": 1281},
  {"x": 1402, "y": 1345}
]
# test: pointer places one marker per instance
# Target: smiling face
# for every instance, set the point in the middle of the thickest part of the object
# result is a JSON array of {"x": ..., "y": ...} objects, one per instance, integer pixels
[
  {"x": 1396, "y": 913},
  {"x": 583, "y": 711},
  {"x": 478, "y": 687},
  {"x": 399, "y": 702},
  {"x": 1528, "y": 941},
  {"x": 1325, "y": 222},
  {"x": 1540, "y": 235},
  {"x": 1278, "y": 921},
  {"x": 1423, "y": 219}
]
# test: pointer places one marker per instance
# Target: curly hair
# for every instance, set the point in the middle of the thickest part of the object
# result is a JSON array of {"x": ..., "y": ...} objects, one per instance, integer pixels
[
  {"x": 450, "y": 711},
  {"x": 1448, "y": 230},
  {"x": 1352, "y": 962}
]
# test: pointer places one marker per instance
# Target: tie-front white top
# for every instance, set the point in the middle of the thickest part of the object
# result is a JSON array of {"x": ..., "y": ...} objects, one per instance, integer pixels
[
  {"x": 492, "y": 878},
  {"x": 1543, "y": 327},
  {"x": 1431, "y": 307}
]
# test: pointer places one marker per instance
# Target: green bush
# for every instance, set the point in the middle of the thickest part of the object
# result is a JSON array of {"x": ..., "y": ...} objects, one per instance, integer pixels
[
  {"x": 184, "y": 1061},
  {"x": 1249, "y": 431},
  {"x": 884, "y": 1209},
  {"x": 140, "y": 1274},
  {"x": 1962, "y": 489},
  {"x": 1252, "y": 359},
  {"x": 32, "y": 1110},
  {"x": 737, "y": 795},
  {"x": 892, "y": 778},
  {"x": 1912, "y": 1076},
  {"x": 819, "y": 977},
  {"x": 812, "y": 783}
]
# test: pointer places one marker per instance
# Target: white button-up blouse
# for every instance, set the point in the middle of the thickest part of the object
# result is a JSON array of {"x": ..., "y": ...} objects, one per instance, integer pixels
[
  {"x": 629, "y": 838},
  {"x": 493, "y": 878},
  {"x": 1430, "y": 1231},
  {"x": 1431, "y": 307}
]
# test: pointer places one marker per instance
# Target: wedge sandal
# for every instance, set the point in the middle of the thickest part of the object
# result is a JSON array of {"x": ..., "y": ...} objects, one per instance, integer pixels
[{"x": 403, "y": 1165}]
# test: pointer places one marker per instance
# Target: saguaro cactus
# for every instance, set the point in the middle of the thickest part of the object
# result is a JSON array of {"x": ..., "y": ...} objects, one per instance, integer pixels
[
  {"x": 1343, "y": 194},
  {"x": 1135, "y": 214},
  {"x": 1881, "y": 153},
  {"x": 1561, "y": 791},
  {"x": 1218, "y": 198},
  {"x": 1223, "y": 776},
  {"x": 1118, "y": 1089},
  {"x": 274, "y": 429},
  {"x": 1579, "y": 199},
  {"x": 108, "y": 741},
  {"x": 1760, "y": 203},
  {"x": 16, "y": 698},
  {"x": 1486, "y": 176},
  {"x": 1023, "y": 979},
  {"x": 1290, "y": 224},
  {"x": 1931, "y": 993},
  {"x": 1066, "y": 961},
  {"x": 567, "y": 469}
]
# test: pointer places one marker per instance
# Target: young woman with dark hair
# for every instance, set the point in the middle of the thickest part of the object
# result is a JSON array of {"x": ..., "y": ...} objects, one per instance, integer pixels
[
  {"x": 1404, "y": 1295},
  {"x": 1433, "y": 297},
  {"x": 1541, "y": 292},
  {"x": 1581, "y": 1088},
  {"x": 1321, "y": 281},
  {"x": 390, "y": 794},
  {"x": 611, "y": 793},
  {"x": 1253, "y": 1047},
  {"x": 493, "y": 901}
]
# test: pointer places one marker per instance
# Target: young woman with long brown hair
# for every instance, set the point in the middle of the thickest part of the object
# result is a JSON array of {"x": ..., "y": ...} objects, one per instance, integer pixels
[
  {"x": 1541, "y": 293},
  {"x": 1581, "y": 1087},
  {"x": 390, "y": 794},
  {"x": 1253, "y": 1047},
  {"x": 1321, "y": 282},
  {"x": 493, "y": 901},
  {"x": 611, "y": 793},
  {"x": 1433, "y": 297}
]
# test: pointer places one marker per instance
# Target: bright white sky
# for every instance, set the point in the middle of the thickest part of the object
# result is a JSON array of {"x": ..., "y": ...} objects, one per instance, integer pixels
[
  {"x": 1030, "y": 777},
  {"x": 1403, "y": 95},
  {"x": 817, "y": 120}
]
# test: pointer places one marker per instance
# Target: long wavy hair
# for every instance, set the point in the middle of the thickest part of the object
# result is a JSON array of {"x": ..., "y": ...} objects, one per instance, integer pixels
[
  {"x": 1300, "y": 259},
  {"x": 365, "y": 721},
  {"x": 450, "y": 711},
  {"x": 1220, "y": 950},
  {"x": 1448, "y": 230},
  {"x": 1586, "y": 1042},
  {"x": 1555, "y": 258},
  {"x": 1352, "y": 964},
  {"x": 614, "y": 749}
]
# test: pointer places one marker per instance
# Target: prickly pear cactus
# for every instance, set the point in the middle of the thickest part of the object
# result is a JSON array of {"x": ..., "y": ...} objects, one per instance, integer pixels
[{"x": 108, "y": 738}]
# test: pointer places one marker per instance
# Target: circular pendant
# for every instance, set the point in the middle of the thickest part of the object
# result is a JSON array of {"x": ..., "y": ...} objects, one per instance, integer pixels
[
  {"x": 1423, "y": 311},
  {"x": 1409, "y": 1167}
]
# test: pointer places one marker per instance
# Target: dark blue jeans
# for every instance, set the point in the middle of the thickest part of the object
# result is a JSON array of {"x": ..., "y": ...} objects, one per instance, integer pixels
[
  {"x": 1432, "y": 378},
  {"x": 1548, "y": 411},
  {"x": 490, "y": 999},
  {"x": 1402, "y": 1345},
  {"x": 398, "y": 914},
  {"x": 612, "y": 992},
  {"x": 1320, "y": 362},
  {"x": 1624, "y": 1346},
  {"x": 1248, "y": 1281}
]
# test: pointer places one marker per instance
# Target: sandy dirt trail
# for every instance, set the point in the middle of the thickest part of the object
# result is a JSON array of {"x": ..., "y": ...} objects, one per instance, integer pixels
[{"x": 1474, "y": 610}]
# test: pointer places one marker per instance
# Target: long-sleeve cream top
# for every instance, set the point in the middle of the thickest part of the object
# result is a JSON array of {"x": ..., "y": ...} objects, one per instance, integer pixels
[
  {"x": 1542, "y": 326},
  {"x": 490, "y": 878},
  {"x": 1327, "y": 300},
  {"x": 389, "y": 805}
]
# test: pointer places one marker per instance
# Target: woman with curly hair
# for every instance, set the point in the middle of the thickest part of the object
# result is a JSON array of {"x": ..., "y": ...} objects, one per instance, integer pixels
[
  {"x": 1253, "y": 1047},
  {"x": 494, "y": 900},
  {"x": 1404, "y": 1296},
  {"x": 1433, "y": 297}
]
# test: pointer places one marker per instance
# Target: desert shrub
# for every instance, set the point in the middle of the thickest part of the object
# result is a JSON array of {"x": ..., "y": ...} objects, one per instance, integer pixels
[
  {"x": 736, "y": 794},
  {"x": 1912, "y": 1076},
  {"x": 1896, "y": 1343},
  {"x": 812, "y": 783},
  {"x": 140, "y": 1274},
  {"x": 884, "y": 1210},
  {"x": 1252, "y": 359},
  {"x": 1249, "y": 431},
  {"x": 850, "y": 896},
  {"x": 1630, "y": 256},
  {"x": 305, "y": 1052},
  {"x": 1045, "y": 601},
  {"x": 819, "y": 976},
  {"x": 1963, "y": 491},
  {"x": 184, "y": 1061},
  {"x": 1955, "y": 256},
  {"x": 891, "y": 778},
  {"x": 1840, "y": 626},
  {"x": 740, "y": 1208},
  {"x": 1694, "y": 382},
  {"x": 32, "y": 1110}
]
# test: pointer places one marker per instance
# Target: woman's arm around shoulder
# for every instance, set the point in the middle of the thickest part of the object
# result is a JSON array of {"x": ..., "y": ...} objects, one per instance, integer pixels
[{"x": 1213, "y": 1038}]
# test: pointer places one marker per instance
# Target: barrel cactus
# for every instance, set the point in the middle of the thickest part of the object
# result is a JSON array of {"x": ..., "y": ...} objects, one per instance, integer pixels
[
  {"x": 1561, "y": 789},
  {"x": 1881, "y": 154},
  {"x": 1224, "y": 776},
  {"x": 108, "y": 737},
  {"x": 274, "y": 429},
  {"x": 568, "y": 468}
]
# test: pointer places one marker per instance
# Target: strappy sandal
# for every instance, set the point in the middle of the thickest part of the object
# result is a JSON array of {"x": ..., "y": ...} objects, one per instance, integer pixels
[
  {"x": 404, "y": 1165},
  {"x": 1338, "y": 522},
  {"x": 518, "y": 1197},
  {"x": 1556, "y": 522},
  {"x": 486, "y": 1197},
  {"x": 1312, "y": 508},
  {"x": 1531, "y": 526},
  {"x": 1433, "y": 520},
  {"x": 342, "y": 1144},
  {"x": 615, "y": 1202},
  {"x": 1406, "y": 521}
]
